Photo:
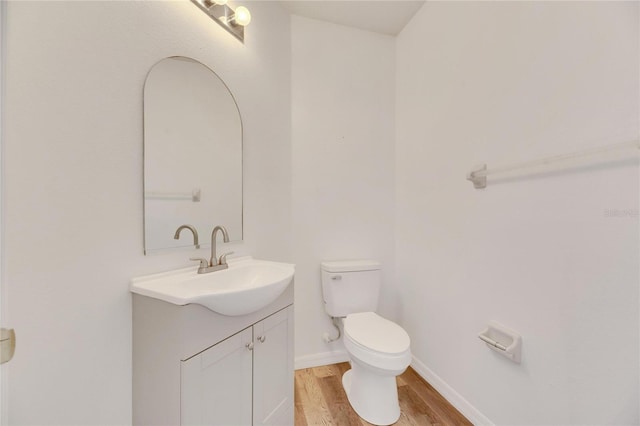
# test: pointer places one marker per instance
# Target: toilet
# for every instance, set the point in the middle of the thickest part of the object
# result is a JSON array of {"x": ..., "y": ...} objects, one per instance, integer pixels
[{"x": 378, "y": 348}]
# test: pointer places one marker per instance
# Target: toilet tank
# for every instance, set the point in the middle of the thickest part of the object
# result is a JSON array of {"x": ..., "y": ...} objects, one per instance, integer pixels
[{"x": 350, "y": 286}]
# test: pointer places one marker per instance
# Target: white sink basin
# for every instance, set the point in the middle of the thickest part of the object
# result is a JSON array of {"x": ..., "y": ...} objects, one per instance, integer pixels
[{"x": 247, "y": 286}]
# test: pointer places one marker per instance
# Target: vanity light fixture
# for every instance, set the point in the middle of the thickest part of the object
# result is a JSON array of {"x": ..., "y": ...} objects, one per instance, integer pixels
[
  {"x": 242, "y": 16},
  {"x": 231, "y": 20}
]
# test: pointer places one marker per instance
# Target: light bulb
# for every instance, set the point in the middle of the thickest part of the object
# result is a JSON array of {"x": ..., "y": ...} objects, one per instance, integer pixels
[{"x": 242, "y": 16}]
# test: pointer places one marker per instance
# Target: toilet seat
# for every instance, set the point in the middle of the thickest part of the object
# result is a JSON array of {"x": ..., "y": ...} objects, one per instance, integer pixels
[
  {"x": 376, "y": 333},
  {"x": 377, "y": 341}
]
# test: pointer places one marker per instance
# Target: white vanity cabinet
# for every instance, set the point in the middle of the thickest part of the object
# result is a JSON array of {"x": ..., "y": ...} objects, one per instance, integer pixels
[
  {"x": 245, "y": 379},
  {"x": 273, "y": 376},
  {"x": 192, "y": 366}
]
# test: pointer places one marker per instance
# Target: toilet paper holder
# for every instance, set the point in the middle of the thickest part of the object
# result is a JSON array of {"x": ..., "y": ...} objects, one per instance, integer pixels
[{"x": 503, "y": 340}]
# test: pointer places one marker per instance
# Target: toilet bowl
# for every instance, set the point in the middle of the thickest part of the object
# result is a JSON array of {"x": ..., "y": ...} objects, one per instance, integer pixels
[{"x": 378, "y": 348}]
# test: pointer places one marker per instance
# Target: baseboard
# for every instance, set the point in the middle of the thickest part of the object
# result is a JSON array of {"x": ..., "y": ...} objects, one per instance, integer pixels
[
  {"x": 461, "y": 404},
  {"x": 323, "y": 358}
]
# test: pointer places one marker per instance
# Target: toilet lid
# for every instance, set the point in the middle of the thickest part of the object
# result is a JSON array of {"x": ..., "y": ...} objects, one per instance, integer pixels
[{"x": 376, "y": 333}]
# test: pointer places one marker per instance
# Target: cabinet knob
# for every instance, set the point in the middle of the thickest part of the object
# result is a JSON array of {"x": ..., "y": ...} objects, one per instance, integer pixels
[
  {"x": 249, "y": 346},
  {"x": 261, "y": 339}
]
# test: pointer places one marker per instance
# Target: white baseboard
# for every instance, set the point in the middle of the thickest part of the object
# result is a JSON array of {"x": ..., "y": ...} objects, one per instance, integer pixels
[
  {"x": 461, "y": 404},
  {"x": 323, "y": 358}
]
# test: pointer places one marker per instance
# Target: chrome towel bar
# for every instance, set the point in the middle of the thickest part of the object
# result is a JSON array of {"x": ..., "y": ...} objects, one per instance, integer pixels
[
  {"x": 478, "y": 176},
  {"x": 194, "y": 195}
]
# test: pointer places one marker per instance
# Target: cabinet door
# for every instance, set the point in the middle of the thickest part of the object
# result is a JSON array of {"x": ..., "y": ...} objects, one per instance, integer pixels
[
  {"x": 216, "y": 384},
  {"x": 273, "y": 369}
]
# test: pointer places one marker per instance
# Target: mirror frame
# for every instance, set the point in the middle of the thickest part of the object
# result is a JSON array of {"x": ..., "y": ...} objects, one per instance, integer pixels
[{"x": 207, "y": 242}]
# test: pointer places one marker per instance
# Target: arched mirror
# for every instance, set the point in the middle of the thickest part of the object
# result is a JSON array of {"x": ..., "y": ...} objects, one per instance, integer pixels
[{"x": 192, "y": 155}]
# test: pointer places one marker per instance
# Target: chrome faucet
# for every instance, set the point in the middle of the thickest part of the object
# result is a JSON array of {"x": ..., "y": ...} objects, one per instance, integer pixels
[
  {"x": 214, "y": 264},
  {"x": 193, "y": 231}
]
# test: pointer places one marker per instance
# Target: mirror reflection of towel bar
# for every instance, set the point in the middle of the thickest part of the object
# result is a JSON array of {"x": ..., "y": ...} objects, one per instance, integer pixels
[{"x": 161, "y": 195}]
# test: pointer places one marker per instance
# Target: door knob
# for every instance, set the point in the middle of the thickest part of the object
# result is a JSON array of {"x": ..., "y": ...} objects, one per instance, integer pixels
[
  {"x": 261, "y": 339},
  {"x": 7, "y": 344},
  {"x": 249, "y": 346}
]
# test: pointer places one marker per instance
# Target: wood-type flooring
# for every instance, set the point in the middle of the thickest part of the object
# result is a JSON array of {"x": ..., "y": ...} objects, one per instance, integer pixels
[{"x": 321, "y": 400}]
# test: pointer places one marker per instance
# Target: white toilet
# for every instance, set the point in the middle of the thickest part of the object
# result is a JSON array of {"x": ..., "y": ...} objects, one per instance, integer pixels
[{"x": 378, "y": 348}]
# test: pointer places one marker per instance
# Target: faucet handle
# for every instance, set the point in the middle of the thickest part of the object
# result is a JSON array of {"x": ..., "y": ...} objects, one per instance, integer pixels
[
  {"x": 204, "y": 263},
  {"x": 223, "y": 258}
]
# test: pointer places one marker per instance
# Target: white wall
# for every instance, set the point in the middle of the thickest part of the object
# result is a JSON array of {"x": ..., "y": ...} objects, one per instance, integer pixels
[
  {"x": 503, "y": 82},
  {"x": 342, "y": 156},
  {"x": 73, "y": 169},
  {"x": 3, "y": 312}
]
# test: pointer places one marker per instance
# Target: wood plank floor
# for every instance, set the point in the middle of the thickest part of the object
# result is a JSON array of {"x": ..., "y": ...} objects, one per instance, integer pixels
[{"x": 320, "y": 400}]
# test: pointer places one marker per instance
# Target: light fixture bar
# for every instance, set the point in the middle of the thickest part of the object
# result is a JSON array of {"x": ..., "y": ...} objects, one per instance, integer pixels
[{"x": 223, "y": 15}]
